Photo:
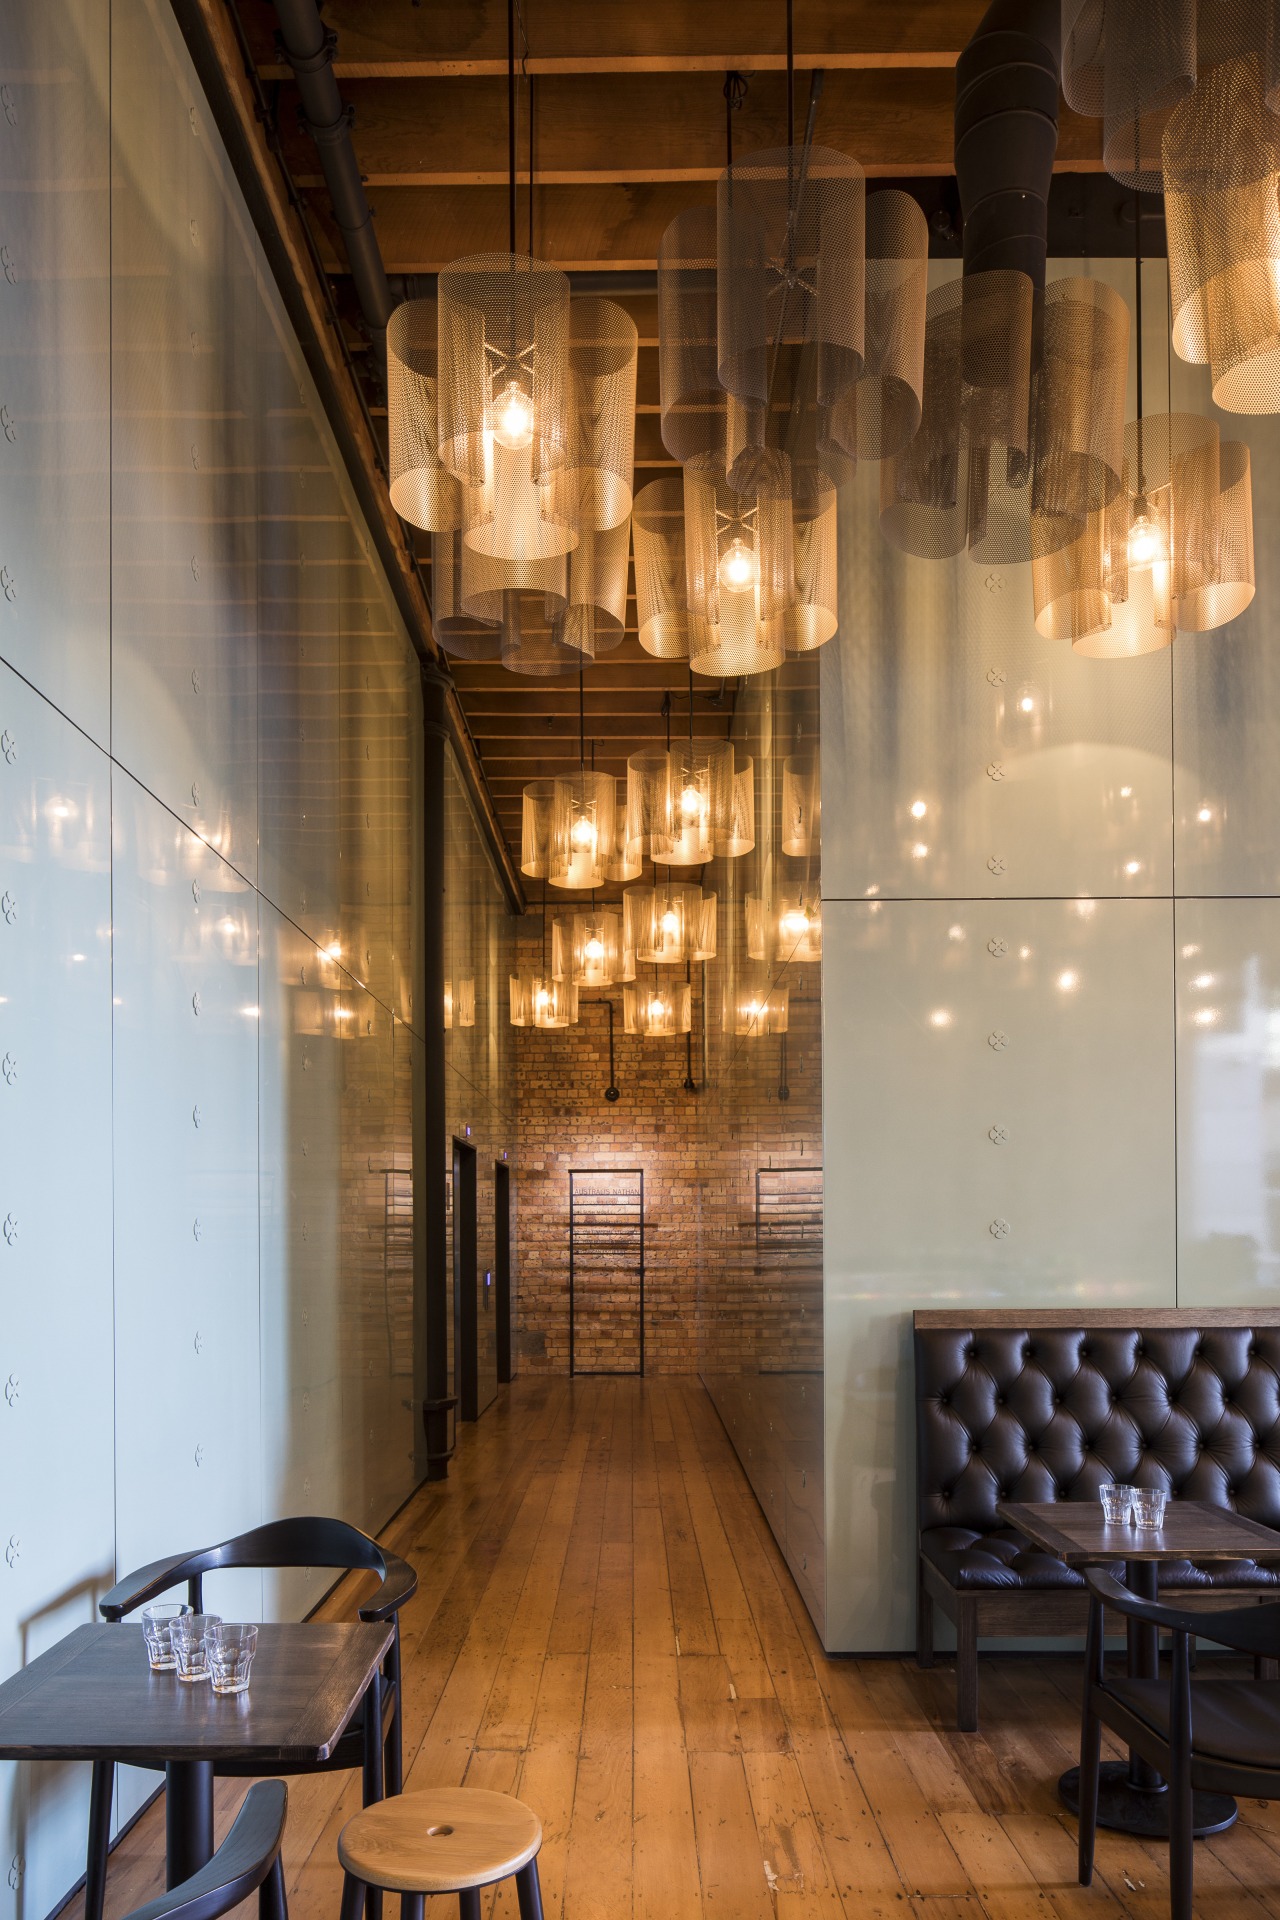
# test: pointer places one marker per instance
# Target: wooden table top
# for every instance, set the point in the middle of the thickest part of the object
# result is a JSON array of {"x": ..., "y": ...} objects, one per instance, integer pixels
[
  {"x": 94, "y": 1697},
  {"x": 1076, "y": 1532}
]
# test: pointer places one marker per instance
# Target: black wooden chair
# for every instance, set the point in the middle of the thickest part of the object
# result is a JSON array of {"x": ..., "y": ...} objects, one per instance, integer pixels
[
  {"x": 247, "y": 1860},
  {"x": 300, "y": 1541},
  {"x": 1222, "y": 1736}
]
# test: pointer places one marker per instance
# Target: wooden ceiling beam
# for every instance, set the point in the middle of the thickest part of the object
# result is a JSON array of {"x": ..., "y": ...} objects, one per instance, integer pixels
[{"x": 386, "y": 39}]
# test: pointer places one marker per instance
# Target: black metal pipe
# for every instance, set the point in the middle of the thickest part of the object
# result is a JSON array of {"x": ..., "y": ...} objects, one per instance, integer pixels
[
  {"x": 429, "y": 1177},
  {"x": 1006, "y": 135},
  {"x": 308, "y": 46},
  {"x": 611, "y": 1092}
]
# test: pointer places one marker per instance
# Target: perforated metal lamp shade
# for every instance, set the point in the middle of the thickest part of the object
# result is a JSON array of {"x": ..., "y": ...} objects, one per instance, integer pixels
[
  {"x": 786, "y": 929},
  {"x": 879, "y": 415},
  {"x": 1080, "y": 399},
  {"x": 540, "y": 1000},
  {"x": 627, "y": 862},
  {"x": 757, "y": 1008},
  {"x": 669, "y": 924},
  {"x": 459, "y": 1003},
  {"x": 657, "y": 1010},
  {"x": 583, "y": 829},
  {"x": 1221, "y": 156},
  {"x": 537, "y": 819},
  {"x": 801, "y": 804},
  {"x": 503, "y": 324},
  {"x": 588, "y": 950},
  {"x": 423, "y": 491}
]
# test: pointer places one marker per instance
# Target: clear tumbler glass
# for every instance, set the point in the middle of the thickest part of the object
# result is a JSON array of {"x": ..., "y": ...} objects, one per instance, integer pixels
[
  {"x": 1148, "y": 1507},
  {"x": 156, "y": 1622},
  {"x": 189, "y": 1638},
  {"x": 1117, "y": 1502},
  {"x": 231, "y": 1650}
]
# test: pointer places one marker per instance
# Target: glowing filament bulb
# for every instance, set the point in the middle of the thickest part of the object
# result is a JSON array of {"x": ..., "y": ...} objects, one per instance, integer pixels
[
  {"x": 542, "y": 999},
  {"x": 513, "y": 418},
  {"x": 594, "y": 949},
  {"x": 656, "y": 1008},
  {"x": 670, "y": 925},
  {"x": 737, "y": 567},
  {"x": 795, "y": 922},
  {"x": 1146, "y": 539}
]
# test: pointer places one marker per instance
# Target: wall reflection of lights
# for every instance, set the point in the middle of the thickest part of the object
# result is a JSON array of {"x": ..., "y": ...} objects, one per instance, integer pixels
[
  {"x": 1189, "y": 953},
  {"x": 940, "y": 1017},
  {"x": 1132, "y": 866},
  {"x": 342, "y": 1013},
  {"x": 1086, "y": 909},
  {"x": 60, "y": 809},
  {"x": 918, "y": 809},
  {"x": 1204, "y": 981},
  {"x": 1068, "y": 980},
  {"x": 919, "y": 851},
  {"x": 1206, "y": 1017},
  {"x": 1126, "y": 793},
  {"x": 251, "y": 1013},
  {"x": 955, "y": 933},
  {"x": 870, "y": 891},
  {"x": 228, "y": 925},
  {"x": 1024, "y": 953},
  {"x": 1205, "y": 814}
]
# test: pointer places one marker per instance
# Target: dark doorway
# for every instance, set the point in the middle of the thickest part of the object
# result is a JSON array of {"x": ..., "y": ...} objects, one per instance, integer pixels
[
  {"x": 466, "y": 1382},
  {"x": 502, "y": 1266}
]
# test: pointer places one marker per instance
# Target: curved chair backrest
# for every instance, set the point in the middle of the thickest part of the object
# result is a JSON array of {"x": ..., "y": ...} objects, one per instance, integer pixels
[
  {"x": 1250, "y": 1629},
  {"x": 303, "y": 1540},
  {"x": 248, "y": 1859}
]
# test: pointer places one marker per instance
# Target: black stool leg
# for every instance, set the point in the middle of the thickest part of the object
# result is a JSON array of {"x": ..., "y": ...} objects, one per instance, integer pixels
[
  {"x": 469, "y": 1904},
  {"x": 529, "y": 1893},
  {"x": 353, "y": 1891},
  {"x": 272, "y": 1904},
  {"x": 95, "y": 1872},
  {"x": 411, "y": 1906},
  {"x": 373, "y": 1776}
]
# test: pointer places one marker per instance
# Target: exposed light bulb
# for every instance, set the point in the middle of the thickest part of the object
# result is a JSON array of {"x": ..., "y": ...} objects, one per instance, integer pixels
[
  {"x": 670, "y": 923},
  {"x": 513, "y": 418},
  {"x": 594, "y": 949},
  {"x": 737, "y": 567},
  {"x": 1146, "y": 537},
  {"x": 583, "y": 833},
  {"x": 690, "y": 802},
  {"x": 542, "y": 999},
  {"x": 656, "y": 1008},
  {"x": 795, "y": 922}
]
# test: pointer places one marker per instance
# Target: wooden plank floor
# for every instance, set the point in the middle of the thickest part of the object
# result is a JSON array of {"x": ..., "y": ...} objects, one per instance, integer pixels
[{"x": 605, "y": 1627}]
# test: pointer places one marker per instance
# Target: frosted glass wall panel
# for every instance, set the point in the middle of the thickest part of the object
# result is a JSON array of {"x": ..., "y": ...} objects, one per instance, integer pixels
[
  {"x": 965, "y": 756},
  {"x": 184, "y": 445},
  {"x": 1003, "y": 1116},
  {"x": 56, "y": 1503},
  {"x": 1228, "y": 973},
  {"x": 55, "y": 551}
]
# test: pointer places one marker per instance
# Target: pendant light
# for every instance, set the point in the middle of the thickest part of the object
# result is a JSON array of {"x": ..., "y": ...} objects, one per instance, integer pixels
[
  {"x": 801, "y": 804},
  {"x": 786, "y": 928},
  {"x": 588, "y": 948},
  {"x": 583, "y": 828},
  {"x": 539, "y": 997},
  {"x": 758, "y": 1007},
  {"x": 459, "y": 1004},
  {"x": 693, "y": 803},
  {"x": 627, "y": 861},
  {"x": 657, "y": 1009},
  {"x": 669, "y": 923}
]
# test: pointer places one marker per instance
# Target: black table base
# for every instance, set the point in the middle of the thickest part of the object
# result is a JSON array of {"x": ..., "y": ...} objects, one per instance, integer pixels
[{"x": 1128, "y": 1808}]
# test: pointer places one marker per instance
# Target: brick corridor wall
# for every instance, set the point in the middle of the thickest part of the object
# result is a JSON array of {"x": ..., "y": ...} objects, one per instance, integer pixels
[{"x": 698, "y": 1153}]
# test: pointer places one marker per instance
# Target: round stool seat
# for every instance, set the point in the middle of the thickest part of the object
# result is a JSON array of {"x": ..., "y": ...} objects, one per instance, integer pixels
[{"x": 440, "y": 1842}]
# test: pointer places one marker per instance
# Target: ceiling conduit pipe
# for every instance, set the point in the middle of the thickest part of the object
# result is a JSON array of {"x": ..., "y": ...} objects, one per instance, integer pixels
[
  {"x": 308, "y": 46},
  {"x": 1006, "y": 135}
]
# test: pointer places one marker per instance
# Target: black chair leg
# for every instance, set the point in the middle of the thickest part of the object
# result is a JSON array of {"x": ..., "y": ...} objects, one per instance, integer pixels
[
  {"x": 967, "y": 1667},
  {"x": 272, "y": 1903},
  {"x": 1090, "y": 1767},
  {"x": 1181, "y": 1837},
  {"x": 353, "y": 1892},
  {"x": 469, "y": 1904},
  {"x": 95, "y": 1870},
  {"x": 412, "y": 1906},
  {"x": 924, "y": 1624},
  {"x": 529, "y": 1893}
]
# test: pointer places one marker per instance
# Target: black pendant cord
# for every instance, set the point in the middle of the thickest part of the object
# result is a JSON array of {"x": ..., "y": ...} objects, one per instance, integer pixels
[
  {"x": 1137, "y": 321},
  {"x": 666, "y": 714},
  {"x": 544, "y": 928},
  {"x": 791, "y": 74},
  {"x": 529, "y": 82},
  {"x": 784, "y": 1091},
  {"x": 582, "y": 726},
  {"x": 735, "y": 93},
  {"x": 511, "y": 125},
  {"x": 691, "y": 715}
]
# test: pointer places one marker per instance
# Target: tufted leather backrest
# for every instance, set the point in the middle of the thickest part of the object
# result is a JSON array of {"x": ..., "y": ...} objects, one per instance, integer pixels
[{"x": 1043, "y": 1412}]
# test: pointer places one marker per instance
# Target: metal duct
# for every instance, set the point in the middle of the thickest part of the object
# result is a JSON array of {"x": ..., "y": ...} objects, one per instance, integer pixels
[
  {"x": 1006, "y": 135},
  {"x": 308, "y": 46}
]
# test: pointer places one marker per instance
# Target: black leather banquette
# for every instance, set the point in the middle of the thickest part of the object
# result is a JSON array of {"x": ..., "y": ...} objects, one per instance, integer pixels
[{"x": 1046, "y": 1406}]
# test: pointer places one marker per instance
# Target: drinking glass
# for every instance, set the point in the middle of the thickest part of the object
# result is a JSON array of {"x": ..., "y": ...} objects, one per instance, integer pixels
[
  {"x": 156, "y": 1622},
  {"x": 1117, "y": 1502},
  {"x": 1148, "y": 1507},
  {"x": 189, "y": 1638},
  {"x": 230, "y": 1650}
]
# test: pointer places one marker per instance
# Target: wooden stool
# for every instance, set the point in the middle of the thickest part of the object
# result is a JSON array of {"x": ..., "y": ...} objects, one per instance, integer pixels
[{"x": 455, "y": 1840}]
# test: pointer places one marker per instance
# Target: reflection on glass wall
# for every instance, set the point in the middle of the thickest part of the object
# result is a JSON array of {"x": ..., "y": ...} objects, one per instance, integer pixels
[
  {"x": 479, "y": 938},
  {"x": 760, "y": 1122}
]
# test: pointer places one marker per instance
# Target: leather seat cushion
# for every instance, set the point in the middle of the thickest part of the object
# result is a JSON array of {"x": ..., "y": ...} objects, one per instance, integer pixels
[
  {"x": 1230, "y": 1720},
  {"x": 1002, "y": 1559}
]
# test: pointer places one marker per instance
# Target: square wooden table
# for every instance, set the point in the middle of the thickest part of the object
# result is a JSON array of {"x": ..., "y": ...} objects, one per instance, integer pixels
[
  {"x": 95, "y": 1697},
  {"x": 1132, "y": 1797}
]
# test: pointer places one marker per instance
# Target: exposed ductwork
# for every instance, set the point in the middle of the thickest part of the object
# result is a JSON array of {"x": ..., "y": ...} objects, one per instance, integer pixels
[
  {"x": 308, "y": 47},
  {"x": 1006, "y": 135}
]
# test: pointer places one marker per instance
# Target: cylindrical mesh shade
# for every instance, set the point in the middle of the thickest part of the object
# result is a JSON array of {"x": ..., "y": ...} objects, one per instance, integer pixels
[
  {"x": 595, "y": 619},
  {"x": 537, "y": 819},
  {"x": 1127, "y": 65},
  {"x": 422, "y": 490},
  {"x": 759, "y": 1008},
  {"x": 1221, "y": 174},
  {"x": 583, "y": 829},
  {"x": 1079, "y": 445},
  {"x": 669, "y": 924},
  {"x": 736, "y": 618},
  {"x": 535, "y": 639},
  {"x": 459, "y": 632},
  {"x": 592, "y": 947},
  {"x": 592, "y": 491},
  {"x": 650, "y": 802},
  {"x": 692, "y": 398},
  {"x": 1073, "y": 572},
  {"x": 811, "y": 619},
  {"x": 997, "y": 312},
  {"x": 540, "y": 1000},
  {"x": 1140, "y": 623},
  {"x": 1214, "y": 577},
  {"x": 923, "y": 500},
  {"x": 503, "y": 327},
  {"x": 880, "y": 415},
  {"x": 693, "y": 777},
  {"x": 512, "y": 519},
  {"x": 658, "y": 1009},
  {"x": 787, "y": 929},
  {"x": 628, "y": 848},
  {"x": 662, "y": 589},
  {"x": 801, "y": 804},
  {"x": 790, "y": 252},
  {"x": 459, "y": 1003}
]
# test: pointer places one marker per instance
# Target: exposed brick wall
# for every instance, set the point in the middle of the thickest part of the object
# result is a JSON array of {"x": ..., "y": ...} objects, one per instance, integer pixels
[{"x": 699, "y": 1154}]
